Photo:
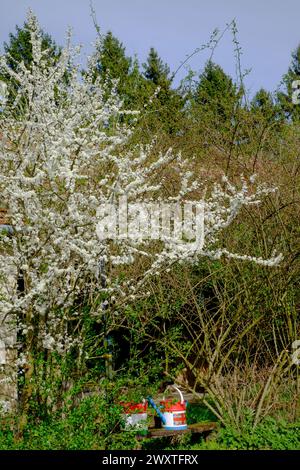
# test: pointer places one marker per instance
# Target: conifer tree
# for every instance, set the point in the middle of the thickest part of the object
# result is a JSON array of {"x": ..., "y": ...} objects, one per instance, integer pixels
[
  {"x": 112, "y": 60},
  {"x": 168, "y": 103},
  {"x": 290, "y": 109},
  {"x": 216, "y": 93},
  {"x": 263, "y": 103},
  {"x": 155, "y": 70},
  {"x": 117, "y": 70},
  {"x": 18, "y": 50}
]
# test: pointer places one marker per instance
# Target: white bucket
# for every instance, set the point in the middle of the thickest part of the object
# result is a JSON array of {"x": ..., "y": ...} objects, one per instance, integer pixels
[
  {"x": 135, "y": 417},
  {"x": 136, "y": 422}
]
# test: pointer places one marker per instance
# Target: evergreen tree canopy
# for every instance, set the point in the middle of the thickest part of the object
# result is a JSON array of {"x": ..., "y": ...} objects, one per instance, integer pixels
[
  {"x": 216, "y": 92},
  {"x": 167, "y": 105},
  {"x": 155, "y": 70},
  {"x": 266, "y": 111},
  {"x": 19, "y": 50},
  {"x": 290, "y": 109},
  {"x": 112, "y": 61},
  {"x": 263, "y": 102},
  {"x": 19, "y": 47}
]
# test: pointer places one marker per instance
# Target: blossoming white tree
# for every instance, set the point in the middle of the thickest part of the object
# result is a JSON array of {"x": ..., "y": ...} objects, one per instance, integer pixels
[{"x": 65, "y": 151}]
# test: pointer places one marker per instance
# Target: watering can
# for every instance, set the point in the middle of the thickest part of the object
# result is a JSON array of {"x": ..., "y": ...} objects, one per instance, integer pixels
[{"x": 172, "y": 415}]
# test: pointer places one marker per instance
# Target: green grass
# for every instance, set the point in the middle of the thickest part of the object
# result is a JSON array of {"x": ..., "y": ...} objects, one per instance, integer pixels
[{"x": 96, "y": 424}]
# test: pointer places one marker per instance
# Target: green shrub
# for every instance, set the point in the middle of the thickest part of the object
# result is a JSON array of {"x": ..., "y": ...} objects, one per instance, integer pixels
[{"x": 271, "y": 434}]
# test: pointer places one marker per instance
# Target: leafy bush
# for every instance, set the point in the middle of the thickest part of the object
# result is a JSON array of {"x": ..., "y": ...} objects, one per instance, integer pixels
[
  {"x": 271, "y": 434},
  {"x": 93, "y": 424}
]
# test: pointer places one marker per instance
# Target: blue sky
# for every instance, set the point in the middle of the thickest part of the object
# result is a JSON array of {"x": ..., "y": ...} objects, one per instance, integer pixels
[{"x": 268, "y": 31}]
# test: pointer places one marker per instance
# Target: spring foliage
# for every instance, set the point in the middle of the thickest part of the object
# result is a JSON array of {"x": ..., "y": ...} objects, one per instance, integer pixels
[{"x": 65, "y": 149}]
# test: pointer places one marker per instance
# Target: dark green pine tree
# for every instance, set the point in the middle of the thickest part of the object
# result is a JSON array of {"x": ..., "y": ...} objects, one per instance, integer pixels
[
  {"x": 262, "y": 100},
  {"x": 289, "y": 109},
  {"x": 156, "y": 71},
  {"x": 216, "y": 93},
  {"x": 19, "y": 49},
  {"x": 112, "y": 61},
  {"x": 167, "y": 104},
  {"x": 263, "y": 104},
  {"x": 266, "y": 117},
  {"x": 112, "y": 64}
]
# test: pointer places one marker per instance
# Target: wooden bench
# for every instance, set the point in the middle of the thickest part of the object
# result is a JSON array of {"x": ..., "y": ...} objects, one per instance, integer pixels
[{"x": 196, "y": 428}]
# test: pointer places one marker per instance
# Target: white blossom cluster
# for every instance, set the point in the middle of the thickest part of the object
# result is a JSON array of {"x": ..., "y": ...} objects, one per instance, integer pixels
[{"x": 62, "y": 154}]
